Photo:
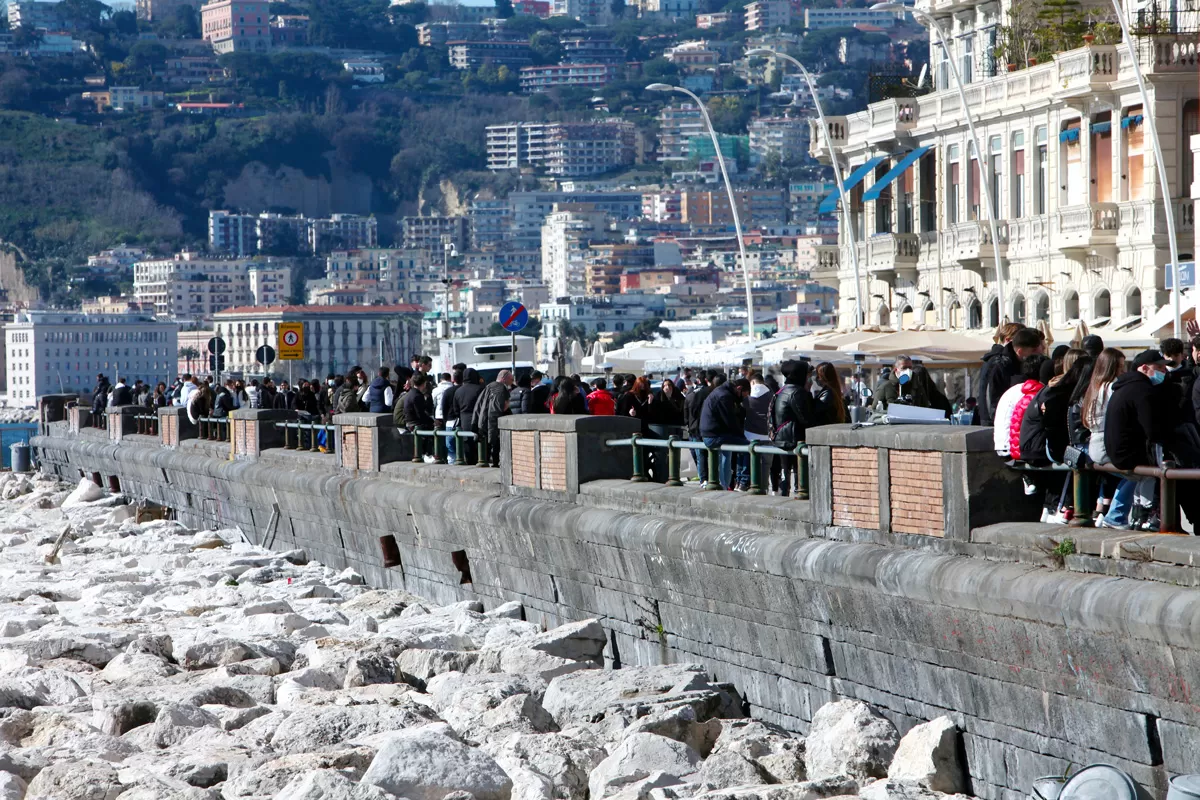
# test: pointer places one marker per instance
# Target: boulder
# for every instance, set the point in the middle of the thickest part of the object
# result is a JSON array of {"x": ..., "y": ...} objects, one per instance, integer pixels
[
  {"x": 159, "y": 645},
  {"x": 425, "y": 664},
  {"x": 261, "y": 778},
  {"x": 637, "y": 757},
  {"x": 75, "y": 780},
  {"x": 578, "y": 641},
  {"x": 380, "y": 604},
  {"x": 513, "y": 609},
  {"x": 12, "y": 787},
  {"x": 848, "y": 738},
  {"x": 520, "y": 713},
  {"x": 215, "y": 652},
  {"x": 85, "y": 492},
  {"x": 929, "y": 755},
  {"x": 728, "y": 768},
  {"x": 176, "y": 722},
  {"x": 777, "y": 752},
  {"x": 681, "y": 725},
  {"x": 311, "y": 729},
  {"x": 554, "y": 763},
  {"x": 369, "y": 669},
  {"x": 832, "y": 789},
  {"x": 116, "y": 716},
  {"x": 425, "y": 764},
  {"x": 590, "y": 696},
  {"x": 326, "y": 784},
  {"x": 888, "y": 789}
]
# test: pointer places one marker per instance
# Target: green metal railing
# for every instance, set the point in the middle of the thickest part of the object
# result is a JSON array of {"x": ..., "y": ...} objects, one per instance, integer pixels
[
  {"x": 674, "y": 444},
  {"x": 441, "y": 440},
  {"x": 294, "y": 436},
  {"x": 214, "y": 429},
  {"x": 147, "y": 423}
]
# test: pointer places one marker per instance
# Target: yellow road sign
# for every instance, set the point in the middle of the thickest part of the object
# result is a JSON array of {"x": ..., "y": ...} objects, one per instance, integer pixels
[{"x": 291, "y": 341}]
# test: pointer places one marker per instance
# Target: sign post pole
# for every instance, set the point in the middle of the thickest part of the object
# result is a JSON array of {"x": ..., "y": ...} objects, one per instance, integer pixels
[{"x": 513, "y": 317}]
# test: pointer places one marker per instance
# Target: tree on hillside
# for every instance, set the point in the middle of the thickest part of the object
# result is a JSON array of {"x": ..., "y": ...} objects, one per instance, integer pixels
[
  {"x": 181, "y": 22},
  {"x": 646, "y": 330},
  {"x": 504, "y": 9}
]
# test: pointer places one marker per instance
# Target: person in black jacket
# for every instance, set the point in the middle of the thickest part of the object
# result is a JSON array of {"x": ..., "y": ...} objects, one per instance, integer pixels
[
  {"x": 1045, "y": 432},
  {"x": 721, "y": 422},
  {"x": 790, "y": 416},
  {"x": 1002, "y": 368},
  {"x": 693, "y": 403},
  {"x": 121, "y": 396},
  {"x": 536, "y": 400},
  {"x": 516, "y": 398},
  {"x": 465, "y": 398},
  {"x": 1131, "y": 429}
]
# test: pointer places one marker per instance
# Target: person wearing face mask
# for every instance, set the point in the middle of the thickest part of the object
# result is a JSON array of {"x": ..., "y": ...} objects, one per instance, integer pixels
[
  {"x": 900, "y": 388},
  {"x": 1134, "y": 424}
]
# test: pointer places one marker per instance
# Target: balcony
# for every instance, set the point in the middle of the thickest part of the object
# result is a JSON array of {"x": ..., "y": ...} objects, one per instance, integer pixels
[
  {"x": 970, "y": 243},
  {"x": 829, "y": 263},
  {"x": 837, "y": 132},
  {"x": 1079, "y": 231},
  {"x": 1085, "y": 71},
  {"x": 889, "y": 253},
  {"x": 1163, "y": 54}
]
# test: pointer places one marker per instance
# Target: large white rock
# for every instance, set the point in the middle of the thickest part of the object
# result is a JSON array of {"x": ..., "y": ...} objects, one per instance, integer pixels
[
  {"x": 929, "y": 755},
  {"x": 848, "y": 738},
  {"x": 325, "y": 784},
  {"x": 75, "y": 780},
  {"x": 549, "y": 765},
  {"x": 312, "y": 729},
  {"x": 266, "y": 778},
  {"x": 12, "y": 787},
  {"x": 578, "y": 641},
  {"x": 176, "y": 722},
  {"x": 85, "y": 492},
  {"x": 777, "y": 752},
  {"x": 637, "y": 757},
  {"x": 888, "y": 789},
  {"x": 591, "y": 695},
  {"x": 425, "y": 764}
]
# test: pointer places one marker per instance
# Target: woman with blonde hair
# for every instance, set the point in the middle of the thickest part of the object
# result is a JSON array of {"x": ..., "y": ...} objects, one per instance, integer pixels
[{"x": 1109, "y": 366}]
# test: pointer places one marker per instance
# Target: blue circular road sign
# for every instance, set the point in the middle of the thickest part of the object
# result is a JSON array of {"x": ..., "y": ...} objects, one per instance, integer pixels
[{"x": 514, "y": 316}]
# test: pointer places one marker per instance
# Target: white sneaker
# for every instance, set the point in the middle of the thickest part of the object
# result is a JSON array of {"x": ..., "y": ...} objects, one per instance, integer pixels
[
  {"x": 1045, "y": 515},
  {"x": 1057, "y": 519}
]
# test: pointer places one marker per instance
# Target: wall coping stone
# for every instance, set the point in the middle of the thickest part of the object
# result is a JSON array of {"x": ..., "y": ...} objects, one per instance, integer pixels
[
  {"x": 941, "y": 438},
  {"x": 571, "y": 423},
  {"x": 362, "y": 419}
]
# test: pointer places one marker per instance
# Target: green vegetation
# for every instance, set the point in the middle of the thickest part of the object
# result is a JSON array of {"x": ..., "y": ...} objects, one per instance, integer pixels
[{"x": 1066, "y": 547}]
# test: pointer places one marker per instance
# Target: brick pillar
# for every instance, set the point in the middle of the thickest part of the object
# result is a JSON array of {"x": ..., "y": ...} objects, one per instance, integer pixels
[
  {"x": 122, "y": 421},
  {"x": 53, "y": 408},
  {"x": 550, "y": 455},
  {"x": 253, "y": 430},
  {"x": 174, "y": 426},
  {"x": 365, "y": 441},
  {"x": 78, "y": 418}
]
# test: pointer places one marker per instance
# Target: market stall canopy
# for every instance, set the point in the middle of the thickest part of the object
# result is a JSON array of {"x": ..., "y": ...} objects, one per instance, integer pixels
[{"x": 933, "y": 345}]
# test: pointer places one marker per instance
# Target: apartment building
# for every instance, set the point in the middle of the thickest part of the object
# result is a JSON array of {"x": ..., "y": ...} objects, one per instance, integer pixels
[
  {"x": 474, "y": 54},
  {"x": 436, "y": 34},
  {"x": 156, "y": 10},
  {"x": 816, "y": 19},
  {"x": 336, "y": 337},
  {"x": 717, "y": 19},
  {"x": 47, "y": 352},
  {"x": 189, "y": 286},
  {"x": 768, "y": 15},
  {"x": 696, "y": 55},
  {"x": 569, "y": 149},
  {"x": 490, "y": 222},
  {"x": 599, "y": 50},
  {"x": 1081, "y": 211},
  {"x": 125, "y": 98},
  {"x": 608, "y": 314},
  {"x": 608, "y": 261},
  {"x": 530, "y": 210},
  {"x": 189, "y": 70},
  {"x": 589, "y": 12},
  {"x": 35, "y": 16},
  {"x": 672, "y": 9},
  {"x": 784, "y": 137},
  {"x": 552, "y": 76},
  {"x": 661, "y": 206},
  {"x": 433, "y": 232},
  {"x": 236, "y": 25},
  {"x": 711, "y": 208},
  {"x": 566, "y": 236},
  {"x": 677, "y": 125},
  {"x": 290, "y": 30},
  {"x": 115, "y": 261},
  {"x": 246, "y": 234}
]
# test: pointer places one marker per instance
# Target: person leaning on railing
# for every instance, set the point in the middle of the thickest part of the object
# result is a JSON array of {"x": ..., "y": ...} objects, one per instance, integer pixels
[{"x": 789, "y": 417}]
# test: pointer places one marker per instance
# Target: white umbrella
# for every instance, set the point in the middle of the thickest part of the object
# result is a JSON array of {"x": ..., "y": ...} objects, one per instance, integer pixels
[
  {"x": 598, "y": 352},
  {"x": 574, "y": 356}
]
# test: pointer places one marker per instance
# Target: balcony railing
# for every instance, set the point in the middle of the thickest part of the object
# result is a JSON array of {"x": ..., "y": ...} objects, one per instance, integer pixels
[
  {"x": 970, "y": 243},
  {"x": 1185, "y": 210},
  {"x": 829, "y": 261},
  {"x": 1085, "y": 70},
  {"x": 889, "y": 252},
  {"x": 1086, "y": 226}
]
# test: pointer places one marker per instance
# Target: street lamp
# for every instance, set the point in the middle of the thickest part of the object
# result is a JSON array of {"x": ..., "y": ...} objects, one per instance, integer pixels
[
  {"x": 962, "y": 97},
  {"x": 860, "y": 316},
  {"x": 737, "y": 221},
  {"x": 1148, "y": 116},
  {"x": 448, "y": 251}
]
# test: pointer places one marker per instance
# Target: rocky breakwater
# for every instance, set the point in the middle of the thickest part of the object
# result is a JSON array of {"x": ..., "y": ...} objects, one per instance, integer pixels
[{"x": 149, "y": 662}]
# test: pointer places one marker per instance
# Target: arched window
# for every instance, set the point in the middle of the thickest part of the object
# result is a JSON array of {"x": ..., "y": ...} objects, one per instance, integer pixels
[
  {"x": 906, "y": 317},
  {"x": 926, "y": 315},
  {"x": 1071, "y": 306},
  {"x": 975, "y": 315},
  {"x": 1133, "y": 303},
  {"x": 1102, "y": 305},
  {"x": 883, "y": 316},
  {"x": 1018, "y": 309},
  {"x": 956, "y": 316},
  {"x": 994, "y": 313},
  {"x": 1041, "y": 307}
]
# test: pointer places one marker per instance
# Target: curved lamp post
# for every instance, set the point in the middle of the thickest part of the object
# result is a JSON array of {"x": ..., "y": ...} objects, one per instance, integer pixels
[
  {"x": 737, "y": 222},
  {"x": 860, "y": 316},
  {"x": 1148, "y": 116},
  {"x": 985, "y": 184}
]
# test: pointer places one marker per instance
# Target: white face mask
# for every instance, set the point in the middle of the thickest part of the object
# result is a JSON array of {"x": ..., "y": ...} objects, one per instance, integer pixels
[
  {"x": 330, "y": 382},
  {"x": 904, "y": 376}
]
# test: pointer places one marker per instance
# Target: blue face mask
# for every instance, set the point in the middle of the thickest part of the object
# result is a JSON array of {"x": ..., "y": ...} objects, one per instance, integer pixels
[{"x": 1158, "y": 377}]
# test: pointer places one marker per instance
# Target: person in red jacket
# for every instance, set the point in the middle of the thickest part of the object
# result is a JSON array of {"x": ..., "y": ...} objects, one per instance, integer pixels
[
  {"x": 600, "y": 402},
  {"x": 1029, "y": 390}
]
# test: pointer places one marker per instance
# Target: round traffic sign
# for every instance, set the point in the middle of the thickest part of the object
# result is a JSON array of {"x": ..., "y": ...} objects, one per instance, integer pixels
[
  {"x": 216, "y": 345},
  {"x": 265, "y": 355},
  {"x": 291, "y": 338},
  {"x": 514, "y": 316}
]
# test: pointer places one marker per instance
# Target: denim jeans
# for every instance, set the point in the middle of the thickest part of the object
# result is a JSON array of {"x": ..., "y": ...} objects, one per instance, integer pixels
[
  {"x": 701, "y": 459},
  {"x": 1122, "y": 502},
  {"x": 728, "y": 463}
]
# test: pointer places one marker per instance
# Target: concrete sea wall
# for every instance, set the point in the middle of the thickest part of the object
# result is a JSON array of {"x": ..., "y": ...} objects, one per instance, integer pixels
[{"x": 1043, "y": 668}]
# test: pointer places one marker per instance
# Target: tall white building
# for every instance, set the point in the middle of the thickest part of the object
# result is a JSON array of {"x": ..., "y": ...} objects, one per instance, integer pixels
[
  {"x": 676, "y": 127},
  {"x": 1066, "y": 152},
  {"x": 566, "y": 235},
  {"x": 48, "y": 352},
  {"x": 188, "y": 286}
]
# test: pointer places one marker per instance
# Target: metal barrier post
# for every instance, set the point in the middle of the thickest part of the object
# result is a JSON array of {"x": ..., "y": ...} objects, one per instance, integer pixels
[
  {"x": 755, "y": 470},
  {"x": 460, "y": 455},
  {"x": 439, "y": 448},
  {"x": 1083, "y": 517},
  {"x": 802, "y": 471},
  {"x": 714, "y": 470},
  {"x": 313, "y": 445},
  {"x": 673, "y": 458},
  {"x": 482, "y": 450},
  {"x": 638, "y": 470},
  {"x": 416, "y": 459},
  {"x": 1168, "y": 506}
]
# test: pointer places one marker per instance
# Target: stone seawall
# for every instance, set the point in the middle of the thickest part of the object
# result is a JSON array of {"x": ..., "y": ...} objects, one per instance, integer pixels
[{"x": 1043, "y": 669}]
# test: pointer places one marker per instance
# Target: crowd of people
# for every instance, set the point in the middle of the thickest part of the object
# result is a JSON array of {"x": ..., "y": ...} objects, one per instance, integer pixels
[{"x": 1073, "y": 406}]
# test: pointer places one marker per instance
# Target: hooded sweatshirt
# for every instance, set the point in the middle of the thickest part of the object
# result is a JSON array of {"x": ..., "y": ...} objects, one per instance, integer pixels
[
  {"x": 758, "y": 408},
  {"x": 1029, "y": 390}
]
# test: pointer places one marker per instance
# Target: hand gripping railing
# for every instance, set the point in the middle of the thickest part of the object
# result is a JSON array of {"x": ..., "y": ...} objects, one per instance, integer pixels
[
  {"x": 673, "y": 445},
  {"x": 294, "y": 439},
  {"x": 441, "y": 440}
]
